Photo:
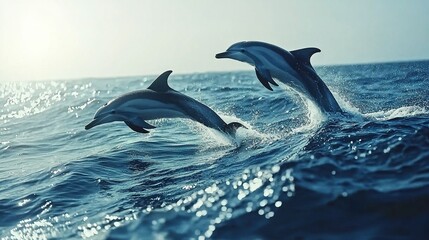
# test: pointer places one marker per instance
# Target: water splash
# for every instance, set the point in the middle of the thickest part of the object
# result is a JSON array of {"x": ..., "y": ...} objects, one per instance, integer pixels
[{"x": 406, "y": 111}]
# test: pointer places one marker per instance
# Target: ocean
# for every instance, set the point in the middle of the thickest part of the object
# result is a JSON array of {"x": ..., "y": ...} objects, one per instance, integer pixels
[{"x": 295, "y": 173}]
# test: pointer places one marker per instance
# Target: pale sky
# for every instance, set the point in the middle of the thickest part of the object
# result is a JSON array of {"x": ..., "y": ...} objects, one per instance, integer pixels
[{"x": 59, "y": 39}]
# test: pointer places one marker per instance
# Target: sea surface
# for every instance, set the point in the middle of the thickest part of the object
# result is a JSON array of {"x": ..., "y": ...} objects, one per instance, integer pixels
[{"x": 295, "y": 173}]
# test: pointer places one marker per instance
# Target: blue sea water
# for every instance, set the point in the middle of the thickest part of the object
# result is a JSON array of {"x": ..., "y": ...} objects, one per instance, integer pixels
[{"x": 294, "y": 174}]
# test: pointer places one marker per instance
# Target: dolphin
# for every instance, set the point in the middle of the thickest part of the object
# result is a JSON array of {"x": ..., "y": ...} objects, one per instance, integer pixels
[
  {"x": 291, "y": 68},
  {"x": 155, "y": 102}
]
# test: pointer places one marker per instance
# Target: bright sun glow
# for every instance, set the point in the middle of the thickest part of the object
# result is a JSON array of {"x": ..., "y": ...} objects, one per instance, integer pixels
[
  {"x": 34, "y": 40},
  {"x": 29, "y": 30}
]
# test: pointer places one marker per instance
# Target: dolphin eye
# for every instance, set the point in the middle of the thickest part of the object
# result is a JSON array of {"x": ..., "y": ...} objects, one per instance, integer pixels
[
  {"x": 242, "y": 50},
  {"x": 113, "y": 112}
]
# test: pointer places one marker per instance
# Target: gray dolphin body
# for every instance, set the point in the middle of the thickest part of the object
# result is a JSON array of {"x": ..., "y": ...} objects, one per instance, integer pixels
[
  {"x": 155, "y": 102},
  {"x": 291, "y": 68}
]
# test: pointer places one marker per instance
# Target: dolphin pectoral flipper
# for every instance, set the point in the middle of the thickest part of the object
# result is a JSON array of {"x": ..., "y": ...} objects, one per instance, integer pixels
[
  {"x": 303, "y": 55},
  {"x": 266, "y": 75},
  {"x": 140, "y": 122},
  {"x": 136, "y": 128},
  {"x": 139, "y": 125},
  {"x": 265, "y": 78},
  {"x": 262, "y": 73}
]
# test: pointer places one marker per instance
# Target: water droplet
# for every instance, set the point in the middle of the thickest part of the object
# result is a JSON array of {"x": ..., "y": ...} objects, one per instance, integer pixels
[
  {"x": 275, "y": 168},
  {"x": 269, "y": 215},
  {"x": 386, "y": 150}
]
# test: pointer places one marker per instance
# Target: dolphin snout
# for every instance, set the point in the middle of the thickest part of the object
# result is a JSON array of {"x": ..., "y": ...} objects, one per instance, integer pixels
[
  {"x": 222, "y": 55},
  {"x": 98, "y": 120},
  {"x": 92, "y": 124},
  {"x": 105, "y": 118}
]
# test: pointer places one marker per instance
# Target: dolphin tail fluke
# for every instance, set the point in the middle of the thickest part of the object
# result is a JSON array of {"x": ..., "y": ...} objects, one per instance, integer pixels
[{"x": 231, "y": 128}]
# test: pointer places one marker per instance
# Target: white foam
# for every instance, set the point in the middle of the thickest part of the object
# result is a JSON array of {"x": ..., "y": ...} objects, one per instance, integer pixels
[
  {"x": 251, "y": 133},
  {"x": 406, "y": 111},
  {"x": 315, "y": 117},
  {"x": 346, "y": 105},
  {"x": 210, "y": 138}
]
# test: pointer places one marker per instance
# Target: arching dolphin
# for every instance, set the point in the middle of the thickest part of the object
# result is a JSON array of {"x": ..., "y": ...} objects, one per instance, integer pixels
[
  {"x": 155, "y": 102},
  {"x": 291, "y": 68}
]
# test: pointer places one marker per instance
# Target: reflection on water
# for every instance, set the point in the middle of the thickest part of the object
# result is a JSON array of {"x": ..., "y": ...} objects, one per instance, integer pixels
[{"x": 294, "y": 172}]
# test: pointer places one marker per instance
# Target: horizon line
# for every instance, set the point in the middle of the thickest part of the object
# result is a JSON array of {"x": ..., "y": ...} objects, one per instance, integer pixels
[{"x": 209, "y": 71}]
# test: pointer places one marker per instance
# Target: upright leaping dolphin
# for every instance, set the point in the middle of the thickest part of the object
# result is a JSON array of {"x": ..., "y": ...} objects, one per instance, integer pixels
[
  {"x": 291, "y": 68},
  {"x": 155, "y": 102}
]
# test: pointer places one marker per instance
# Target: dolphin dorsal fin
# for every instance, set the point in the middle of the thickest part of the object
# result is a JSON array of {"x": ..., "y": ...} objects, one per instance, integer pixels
[
  {"x": 160, "y": 84},
  {"x": 303, "y": 55}
]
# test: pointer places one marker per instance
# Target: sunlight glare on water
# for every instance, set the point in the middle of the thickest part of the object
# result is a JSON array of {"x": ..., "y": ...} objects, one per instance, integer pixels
[{"x": 293, "y": 167}]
